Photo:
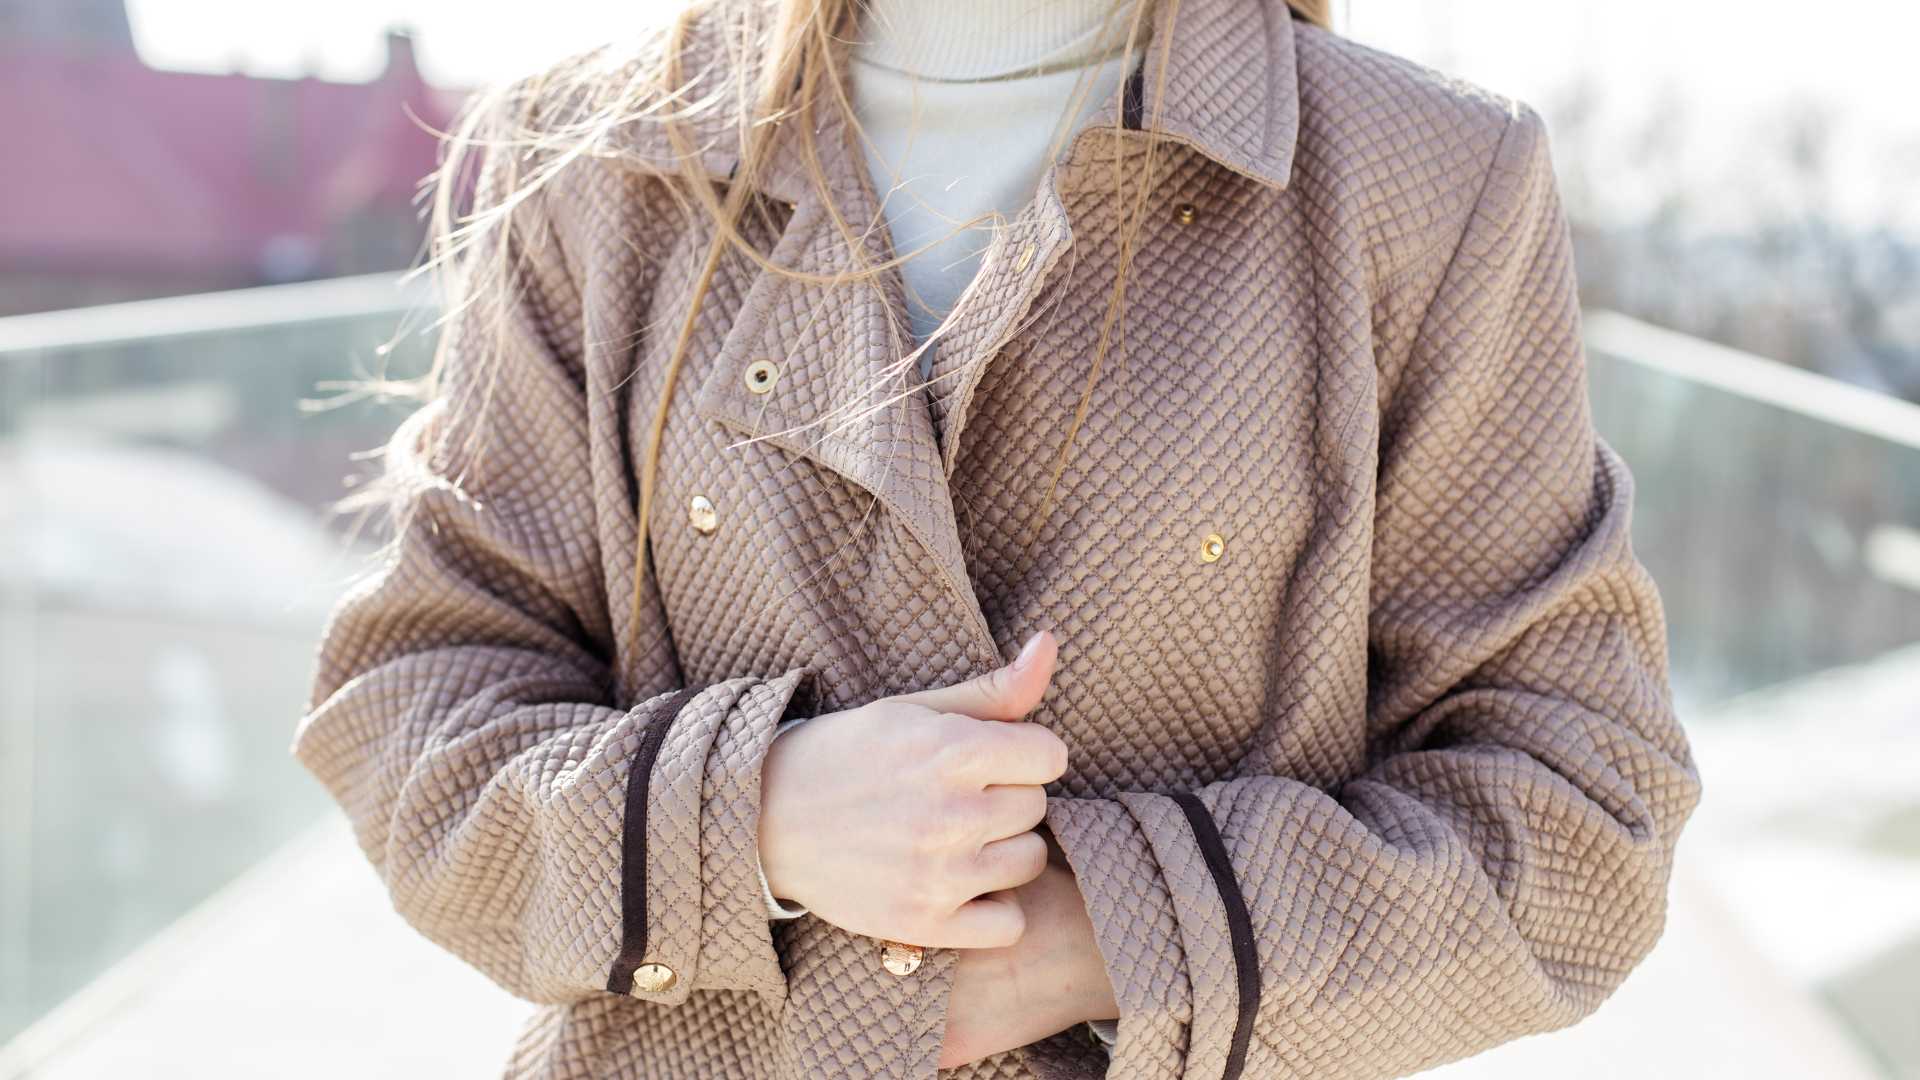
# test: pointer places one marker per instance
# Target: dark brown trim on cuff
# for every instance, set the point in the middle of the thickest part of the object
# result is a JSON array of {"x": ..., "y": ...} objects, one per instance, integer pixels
[
  {"x": 633, "y": 845},
  {"x": 1246, "y": 962}
]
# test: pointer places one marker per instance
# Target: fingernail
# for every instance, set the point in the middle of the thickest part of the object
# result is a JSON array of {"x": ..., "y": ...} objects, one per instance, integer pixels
[{"x": 1027, "y": 650}]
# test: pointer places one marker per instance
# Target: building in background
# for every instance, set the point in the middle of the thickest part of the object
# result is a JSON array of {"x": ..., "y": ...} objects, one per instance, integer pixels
[{"x": 126, "y": 182}]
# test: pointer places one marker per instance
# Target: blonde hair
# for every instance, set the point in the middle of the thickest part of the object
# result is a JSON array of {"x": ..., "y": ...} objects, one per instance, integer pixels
[{"x": 572, "y": 109}]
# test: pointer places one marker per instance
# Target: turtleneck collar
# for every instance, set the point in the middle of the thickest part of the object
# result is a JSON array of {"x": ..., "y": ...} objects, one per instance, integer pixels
[{"x": 966, "y": 40}]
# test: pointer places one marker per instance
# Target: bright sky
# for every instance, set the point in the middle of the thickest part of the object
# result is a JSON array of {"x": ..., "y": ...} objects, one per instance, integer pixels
[
  {"x": 1726, "y": 59},
  {"x": 1858, "y": 51},
  {"x": 1726, "y": 56}
]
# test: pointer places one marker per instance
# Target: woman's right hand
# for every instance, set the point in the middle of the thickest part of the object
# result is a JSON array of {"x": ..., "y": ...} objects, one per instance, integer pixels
[{"x": 913, "y": 817}]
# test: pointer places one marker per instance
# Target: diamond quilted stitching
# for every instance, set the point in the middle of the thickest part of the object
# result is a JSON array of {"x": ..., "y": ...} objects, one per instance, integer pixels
[{"x": 1422, "y": 692}]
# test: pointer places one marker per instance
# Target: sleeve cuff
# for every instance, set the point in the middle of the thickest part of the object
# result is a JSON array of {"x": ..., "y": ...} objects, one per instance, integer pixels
[
  {"x": 1136, "y": 927},
  {"x": 705, "y": 920},
  {"x": 775, "y": 909}
]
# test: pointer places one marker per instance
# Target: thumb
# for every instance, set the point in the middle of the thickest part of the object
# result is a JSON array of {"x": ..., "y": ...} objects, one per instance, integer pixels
[{"x": 1008, "y": 692}]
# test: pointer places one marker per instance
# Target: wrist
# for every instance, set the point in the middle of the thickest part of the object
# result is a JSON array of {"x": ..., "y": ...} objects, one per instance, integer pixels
[
  {"x": 768, "y": 837},
  {"x": 1070, "y": 980}
]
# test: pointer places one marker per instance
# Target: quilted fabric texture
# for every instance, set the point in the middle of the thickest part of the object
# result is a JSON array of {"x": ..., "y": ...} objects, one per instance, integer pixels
[{"x": 1388, "y": 776}]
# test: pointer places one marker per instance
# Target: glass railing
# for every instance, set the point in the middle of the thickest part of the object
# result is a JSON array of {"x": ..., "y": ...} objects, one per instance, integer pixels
[
  {"x": 165, "y": 566},
  {"x": 1778, "y": 510}
]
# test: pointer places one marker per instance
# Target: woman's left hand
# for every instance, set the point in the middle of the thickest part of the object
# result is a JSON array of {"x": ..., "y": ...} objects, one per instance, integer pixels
[{"x": 1049, "y": 980}]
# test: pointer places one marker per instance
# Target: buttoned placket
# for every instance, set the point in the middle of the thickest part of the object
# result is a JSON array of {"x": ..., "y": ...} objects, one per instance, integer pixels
[
  {"x": 1020, "y": 256},
  {"x": 831, "y": 351},
  {"x": 1027, "y": 248},
  {"x": 1024, "y": 251}
]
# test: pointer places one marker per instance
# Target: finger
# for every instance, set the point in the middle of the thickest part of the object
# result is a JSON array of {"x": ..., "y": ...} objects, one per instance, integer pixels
[
  {"x": 993, "y": 921},
  {"x": 1008, "y": 692},
  {"x": 1011, "y": 809},
  {"x": 1004, "y": 864},
  {"x": 1007, "y": 752}
]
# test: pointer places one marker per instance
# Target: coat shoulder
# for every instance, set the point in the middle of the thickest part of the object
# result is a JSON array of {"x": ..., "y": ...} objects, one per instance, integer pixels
[{"x": 1405, "y": 147}]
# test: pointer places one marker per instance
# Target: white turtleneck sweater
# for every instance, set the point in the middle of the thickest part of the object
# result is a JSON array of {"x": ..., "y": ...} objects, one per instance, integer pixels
[{"x": 962, "y": 101}]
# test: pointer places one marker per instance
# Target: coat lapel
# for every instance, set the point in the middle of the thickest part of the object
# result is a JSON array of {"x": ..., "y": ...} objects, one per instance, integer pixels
[{"x": 847, "y": 394}]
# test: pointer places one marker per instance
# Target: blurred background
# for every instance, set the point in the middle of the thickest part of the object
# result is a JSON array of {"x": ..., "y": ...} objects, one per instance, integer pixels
[{"x": 204, "y": 207}]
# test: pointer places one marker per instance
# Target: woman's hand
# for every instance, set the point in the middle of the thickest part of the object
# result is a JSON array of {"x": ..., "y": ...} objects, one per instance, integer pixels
[
  {"x": 909, "y": 817},
  {"x": 1048, "y": 981}
]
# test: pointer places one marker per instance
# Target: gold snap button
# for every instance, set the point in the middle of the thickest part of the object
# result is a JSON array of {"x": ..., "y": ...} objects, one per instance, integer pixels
[
  {"x": 761, "y": 375},
  {"x": 701, "y": 514},
  {"x": 1026, "y": 256},
  {"x": 900, "y": 958},
  {"x": 653, "y": 978},
  {"x": 1186, "y": 213},
  {"x": 1212, "y": 547}
]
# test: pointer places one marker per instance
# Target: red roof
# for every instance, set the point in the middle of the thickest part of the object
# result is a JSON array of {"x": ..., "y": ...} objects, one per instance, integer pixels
[{"x": 118, "y": 166}]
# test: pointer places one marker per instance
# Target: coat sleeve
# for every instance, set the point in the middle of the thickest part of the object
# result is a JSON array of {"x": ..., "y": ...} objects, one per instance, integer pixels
[
  {"x": 463, "y": 709},
  {"x": 1501, "y": 862}
]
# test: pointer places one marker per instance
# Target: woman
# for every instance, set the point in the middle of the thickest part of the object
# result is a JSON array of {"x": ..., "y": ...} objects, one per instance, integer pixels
[{"x": 1198, "y": 618}]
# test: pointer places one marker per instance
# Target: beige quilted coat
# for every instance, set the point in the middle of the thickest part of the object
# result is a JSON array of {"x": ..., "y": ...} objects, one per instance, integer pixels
[{"x": 1374, "y": 762}]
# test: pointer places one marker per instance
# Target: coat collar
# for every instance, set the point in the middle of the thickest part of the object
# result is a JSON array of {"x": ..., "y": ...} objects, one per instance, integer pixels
[
  {"x": 1231, "y": 91},
  {"x": 1232, "y": 83}
]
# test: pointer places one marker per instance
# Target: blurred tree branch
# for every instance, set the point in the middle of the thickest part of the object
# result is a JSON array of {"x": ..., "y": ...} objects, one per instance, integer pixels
[{"x": 1765, "y": 256}]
